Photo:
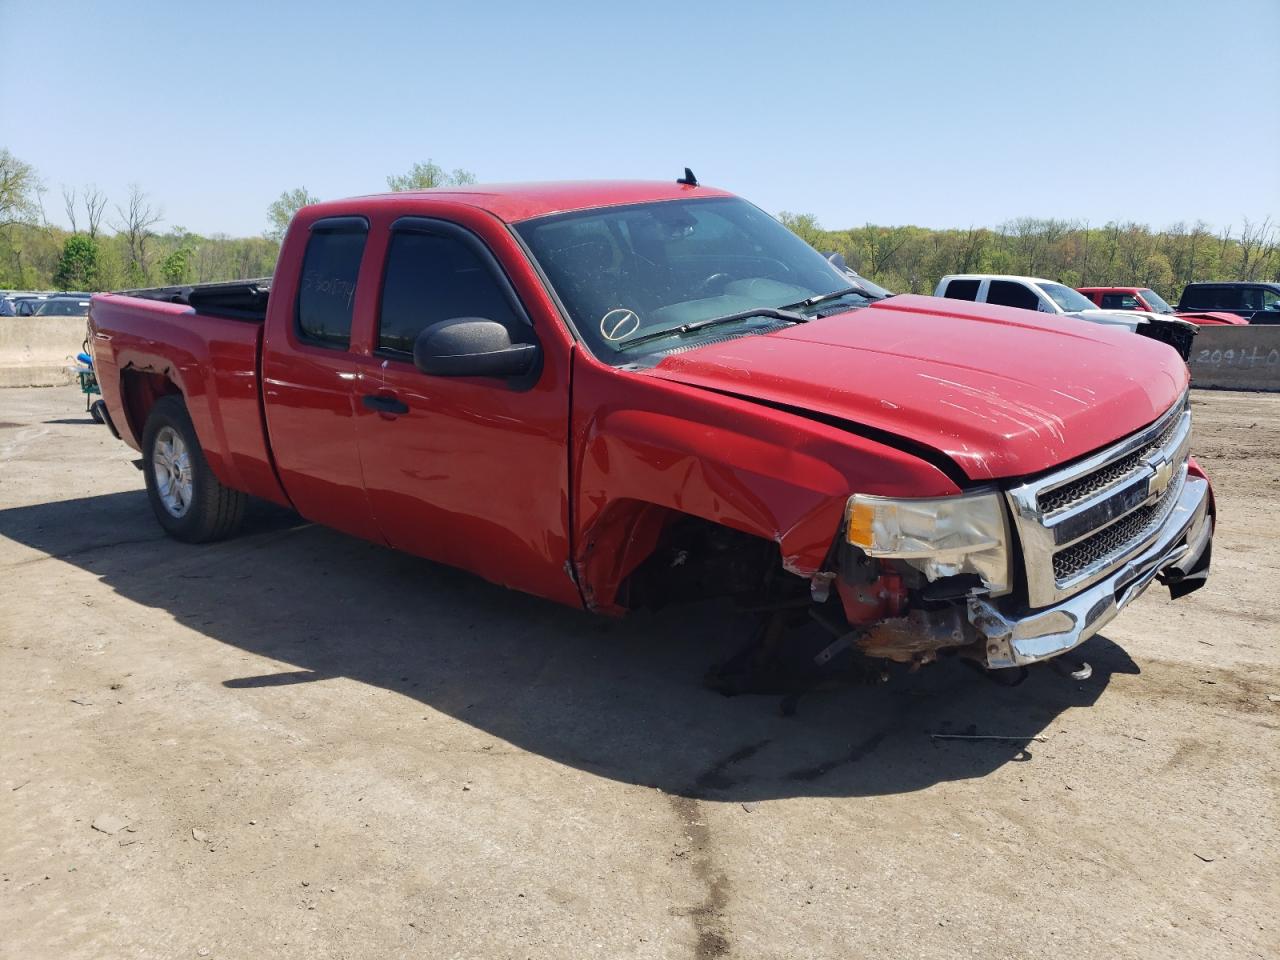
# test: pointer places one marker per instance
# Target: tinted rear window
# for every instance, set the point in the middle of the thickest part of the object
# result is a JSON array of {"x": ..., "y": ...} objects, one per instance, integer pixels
[
  {"x": 1209, "y": 298},
  {"x": 1006, "y": 293},
  {"x": 962, "y": 289},
  {"x": 327, "y": 292}
]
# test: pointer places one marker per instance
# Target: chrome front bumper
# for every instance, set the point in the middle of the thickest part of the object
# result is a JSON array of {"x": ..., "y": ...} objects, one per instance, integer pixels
[{"x": 1017, "y": 640}]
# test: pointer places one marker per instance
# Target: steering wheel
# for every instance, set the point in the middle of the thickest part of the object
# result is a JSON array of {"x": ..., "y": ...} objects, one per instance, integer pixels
[{"x": 717, "y": 277}]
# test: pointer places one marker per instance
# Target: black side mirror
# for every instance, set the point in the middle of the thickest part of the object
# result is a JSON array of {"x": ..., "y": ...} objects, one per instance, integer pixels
[{"x": 472, "y": 347}]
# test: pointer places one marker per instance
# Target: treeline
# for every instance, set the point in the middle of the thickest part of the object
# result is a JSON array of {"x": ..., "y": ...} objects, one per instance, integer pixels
[
  {"x": 914, "y": 259},
  {"x": 40, "y": 257},
  {"x": 110, "y": 245},
  {"x": 116, "y": 243}
]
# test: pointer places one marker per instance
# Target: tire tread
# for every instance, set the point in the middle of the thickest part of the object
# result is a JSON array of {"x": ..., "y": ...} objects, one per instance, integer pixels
[{"x": 216, "y": 511}]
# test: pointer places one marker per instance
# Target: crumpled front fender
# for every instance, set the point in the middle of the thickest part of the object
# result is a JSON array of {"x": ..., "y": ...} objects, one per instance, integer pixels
[{"x": 648, "y": 451}]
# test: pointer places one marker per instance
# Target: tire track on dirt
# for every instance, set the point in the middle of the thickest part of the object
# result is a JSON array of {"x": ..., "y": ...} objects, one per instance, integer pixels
[{"x": 709, "y": 914}]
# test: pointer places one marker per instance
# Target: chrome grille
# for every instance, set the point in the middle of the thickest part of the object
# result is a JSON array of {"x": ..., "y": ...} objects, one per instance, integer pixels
[
  {"x": 1111, "y": 475},
  {"x": 1112, "y": 540},
  {"x": 1080, "y": 523}
]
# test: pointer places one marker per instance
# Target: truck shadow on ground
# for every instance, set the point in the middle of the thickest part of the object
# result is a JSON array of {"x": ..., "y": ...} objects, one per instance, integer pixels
[{"x": 621, "y": 699}]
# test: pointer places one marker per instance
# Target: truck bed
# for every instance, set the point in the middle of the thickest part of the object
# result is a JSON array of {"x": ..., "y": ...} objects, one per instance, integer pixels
[
  {"x": 235, "y": 299},
  {"x": 205, "y": 343}
]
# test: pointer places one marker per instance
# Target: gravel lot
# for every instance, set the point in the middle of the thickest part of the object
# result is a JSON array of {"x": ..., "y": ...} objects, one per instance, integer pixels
[{"x": 296, "y": 744}]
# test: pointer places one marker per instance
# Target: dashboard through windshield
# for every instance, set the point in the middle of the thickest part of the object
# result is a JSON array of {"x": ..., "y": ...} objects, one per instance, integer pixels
[{"x": 630, "y": 271}]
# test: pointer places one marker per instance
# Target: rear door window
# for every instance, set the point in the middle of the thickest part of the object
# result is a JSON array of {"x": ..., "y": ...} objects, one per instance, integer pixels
[
  {"x": 962, "y": 289},
  {"x": 1212, "y": 298},
  {"x": 330, "y": 266},
  {"x": 1007, "y": 293},
  {"x": 1251, "y": 298},
  {"x": 1228, "y": 298}
]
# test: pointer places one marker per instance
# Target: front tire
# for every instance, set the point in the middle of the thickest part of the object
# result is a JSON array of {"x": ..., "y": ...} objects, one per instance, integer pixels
[{"x": 185, "y": 496}]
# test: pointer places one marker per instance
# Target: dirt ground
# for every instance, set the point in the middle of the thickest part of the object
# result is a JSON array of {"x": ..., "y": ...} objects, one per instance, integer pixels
[{"x": 296, "y": 744}]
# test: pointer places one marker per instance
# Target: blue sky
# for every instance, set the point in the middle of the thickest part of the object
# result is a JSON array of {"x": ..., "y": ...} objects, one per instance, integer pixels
[{"x": 932, "y": 113}]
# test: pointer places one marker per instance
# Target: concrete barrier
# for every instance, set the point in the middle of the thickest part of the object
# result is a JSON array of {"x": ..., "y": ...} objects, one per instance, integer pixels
[
  {"x": 1236, "y": 358},
  {"x": 36, "y": 351}
]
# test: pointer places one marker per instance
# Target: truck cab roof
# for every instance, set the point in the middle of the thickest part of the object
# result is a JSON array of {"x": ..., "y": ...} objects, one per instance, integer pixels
[
  {"x": 997, "y": 276},
  {"x": 515, "y": 202}
]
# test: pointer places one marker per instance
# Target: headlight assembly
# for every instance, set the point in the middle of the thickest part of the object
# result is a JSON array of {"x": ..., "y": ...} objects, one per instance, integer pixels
[{"x": 944, "y": 537}]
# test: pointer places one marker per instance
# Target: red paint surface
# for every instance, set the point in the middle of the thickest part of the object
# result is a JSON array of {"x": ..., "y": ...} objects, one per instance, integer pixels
[
  {"x": 475, "y": 474},
  {"x": 212, "y": 361},
  {"x": 514, "y": 202},
  {"x": 562, "y": 489},
  {"x": 1195, "y": 470},
  {"x": 641, "y": 441},
  {"x": 1007, "y": 393}
]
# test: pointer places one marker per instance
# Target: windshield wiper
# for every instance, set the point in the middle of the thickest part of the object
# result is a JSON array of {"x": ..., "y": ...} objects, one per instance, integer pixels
[
  {"x": 824, "y": 297},
  {"x": 776, "y": 313}
]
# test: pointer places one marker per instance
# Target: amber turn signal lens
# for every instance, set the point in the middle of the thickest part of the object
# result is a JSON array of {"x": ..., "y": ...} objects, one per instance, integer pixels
[{"x": 861, "y": 517}]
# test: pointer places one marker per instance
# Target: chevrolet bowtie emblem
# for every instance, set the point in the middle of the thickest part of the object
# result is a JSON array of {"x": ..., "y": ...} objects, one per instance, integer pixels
[{"x": 1159, "y": 481}]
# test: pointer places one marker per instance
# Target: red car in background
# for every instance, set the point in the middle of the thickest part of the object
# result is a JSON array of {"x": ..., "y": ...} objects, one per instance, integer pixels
[{"x": 1142, "y": 298}]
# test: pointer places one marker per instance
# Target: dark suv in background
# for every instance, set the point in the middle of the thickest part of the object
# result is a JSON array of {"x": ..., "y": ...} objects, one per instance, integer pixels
[{"x": 1256, "y": 302}]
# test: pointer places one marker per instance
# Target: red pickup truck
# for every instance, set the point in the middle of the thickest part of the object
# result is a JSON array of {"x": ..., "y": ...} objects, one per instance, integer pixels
[
  {"x": 1145, "y": 300},
  {"x": 617, "y": 395}
]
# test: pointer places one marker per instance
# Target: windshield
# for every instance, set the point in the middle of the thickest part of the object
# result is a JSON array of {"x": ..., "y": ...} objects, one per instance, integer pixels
[
  {"x": 1155, "y": 301},
  {"x": 624, "y": 272},
  {"x": 63, "y": 308},
  {"x": 1068, "y": 299},
  {"x": 870, "y": 286}
]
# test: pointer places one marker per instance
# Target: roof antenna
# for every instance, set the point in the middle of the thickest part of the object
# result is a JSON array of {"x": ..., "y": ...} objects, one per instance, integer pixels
[{"x": 689, "y": 180}]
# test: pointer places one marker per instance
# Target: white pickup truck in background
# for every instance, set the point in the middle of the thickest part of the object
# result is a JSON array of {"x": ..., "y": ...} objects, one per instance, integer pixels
[{"x": 1048, "y": 296}]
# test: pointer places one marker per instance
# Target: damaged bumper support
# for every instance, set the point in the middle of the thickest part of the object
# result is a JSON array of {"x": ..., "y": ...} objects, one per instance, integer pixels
[{"x": 1179, "y": 557}]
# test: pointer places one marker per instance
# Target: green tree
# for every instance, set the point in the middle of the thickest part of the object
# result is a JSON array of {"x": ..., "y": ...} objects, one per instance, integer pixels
[
  {"x": 424, "y": 176},
  {"x": 78, "y": 266},
  {"x": 1157, "y": 273},
  {"x": 175, "y": 267},
  {"x": 282, "y": 210},
  {"x": 19, "y": 207},
  {"x": 19, "y": 186},
  {"x": 803, "y": 225}
]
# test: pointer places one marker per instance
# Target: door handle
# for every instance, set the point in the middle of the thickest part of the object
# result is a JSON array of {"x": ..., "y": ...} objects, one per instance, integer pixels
[{"x": 380, "y": 403}]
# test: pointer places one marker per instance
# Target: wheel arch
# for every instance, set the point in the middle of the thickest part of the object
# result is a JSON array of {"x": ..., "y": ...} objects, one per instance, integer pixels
[
  {"x": 139, "y": 391},
  {"x": 776, "y": 477}
]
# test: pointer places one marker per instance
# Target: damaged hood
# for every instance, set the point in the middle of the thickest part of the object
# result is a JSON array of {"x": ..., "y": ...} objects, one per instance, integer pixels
[{"x": 1001, "y": 392}]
